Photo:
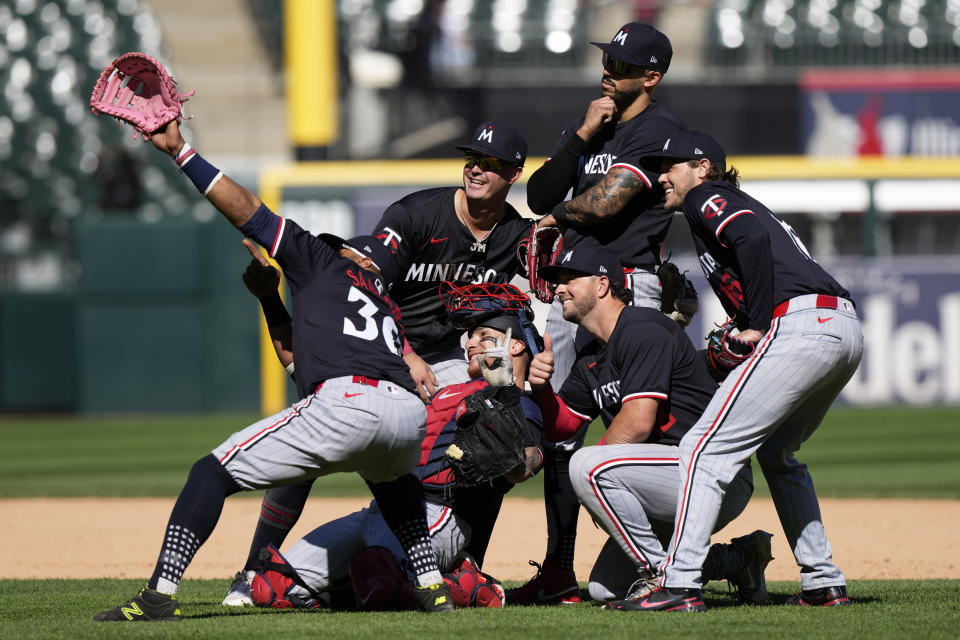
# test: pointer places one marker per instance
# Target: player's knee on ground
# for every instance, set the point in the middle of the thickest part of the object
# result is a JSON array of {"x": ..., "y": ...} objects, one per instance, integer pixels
[
  {"x": 612, "y": 574},
  {"x": 379, "y": 583}
]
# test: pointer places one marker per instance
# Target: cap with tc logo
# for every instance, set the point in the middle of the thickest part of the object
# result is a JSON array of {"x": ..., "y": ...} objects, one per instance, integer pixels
[
  {"x": 498, "y": 140},
  {"x": 640, "y": 45},
  {"x": 589, "y": 258}
]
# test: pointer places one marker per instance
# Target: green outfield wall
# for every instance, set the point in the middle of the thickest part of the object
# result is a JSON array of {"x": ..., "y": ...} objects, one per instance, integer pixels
[{"x": 160, "y": 321}]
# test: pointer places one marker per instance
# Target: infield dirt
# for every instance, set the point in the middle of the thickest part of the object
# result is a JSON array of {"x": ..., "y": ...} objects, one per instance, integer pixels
[{"x": 120, "y": 538}]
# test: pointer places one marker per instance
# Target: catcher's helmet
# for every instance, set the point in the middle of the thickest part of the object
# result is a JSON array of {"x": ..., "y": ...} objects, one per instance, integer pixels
[{"x": 489, "y": 304}]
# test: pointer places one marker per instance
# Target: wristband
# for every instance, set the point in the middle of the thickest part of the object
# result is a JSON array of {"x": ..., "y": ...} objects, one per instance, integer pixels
[
  {"x": 274, "y": 312},
  {"x": 559, "y": 212},
  {"x": 202, "y": 174},
  {"x": 183, "y": 156}
]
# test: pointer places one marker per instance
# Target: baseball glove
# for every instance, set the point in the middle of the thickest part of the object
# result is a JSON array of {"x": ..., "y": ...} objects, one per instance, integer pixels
[
  {"x": 136, "y": 89},
  {"x": 725, "y": 352},
  {"x": 539, "y": 250},
  {"x": 678, "y": 298},
  {"x": 490, "y": 438}
]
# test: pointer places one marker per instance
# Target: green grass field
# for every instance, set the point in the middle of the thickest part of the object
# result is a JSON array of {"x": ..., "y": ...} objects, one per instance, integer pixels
[
  {"x": 889, "y": 452},
  {"x": 882, "y": 609}
]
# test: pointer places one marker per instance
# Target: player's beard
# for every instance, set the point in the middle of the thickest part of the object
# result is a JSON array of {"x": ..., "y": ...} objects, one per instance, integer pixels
[
  {"x": 579, "y": 309},
  {"x": 624, "y": 98}
]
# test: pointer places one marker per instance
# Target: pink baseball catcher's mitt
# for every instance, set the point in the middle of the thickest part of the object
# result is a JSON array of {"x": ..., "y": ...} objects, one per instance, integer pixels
[
  {"x": 540, "y": 250},
  {"x": 136, "y": 89}
]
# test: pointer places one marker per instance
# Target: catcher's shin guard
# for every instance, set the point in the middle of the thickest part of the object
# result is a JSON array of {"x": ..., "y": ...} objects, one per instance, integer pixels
[
  {"x": 469, "y": 587},
  {"x": 273, "y": 584}
]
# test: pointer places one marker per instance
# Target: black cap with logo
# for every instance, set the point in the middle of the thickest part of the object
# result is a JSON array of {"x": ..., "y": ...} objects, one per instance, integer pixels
[
  {"x": 498, "y": 140},
  {"x": 640, "y": 45},
  {"x": 692, "y": 145},
  {"x": 381, "y": 256},
  {"x": 589, "y": 258}
]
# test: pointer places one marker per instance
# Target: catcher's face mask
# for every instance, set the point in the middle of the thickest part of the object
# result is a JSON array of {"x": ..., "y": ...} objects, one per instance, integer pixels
[{"x": 500, "y": 306}]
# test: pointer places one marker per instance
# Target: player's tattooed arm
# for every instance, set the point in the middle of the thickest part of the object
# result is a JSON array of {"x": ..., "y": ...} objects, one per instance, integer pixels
[{"x": 604, "y": 199}]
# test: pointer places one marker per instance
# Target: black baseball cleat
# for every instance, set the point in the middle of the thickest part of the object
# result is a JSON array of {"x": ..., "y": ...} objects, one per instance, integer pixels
[
  {"x": 824, "y": 597},
  {"x": 434, "y": 598},
  {"x": 146, "y": 606},
  {"x": 663, "y": 599},
  {"x": 748, "y": 578}
]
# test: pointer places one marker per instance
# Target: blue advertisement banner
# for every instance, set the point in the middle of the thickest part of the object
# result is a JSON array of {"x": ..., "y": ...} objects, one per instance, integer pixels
[{"x": 888, "y": 113}]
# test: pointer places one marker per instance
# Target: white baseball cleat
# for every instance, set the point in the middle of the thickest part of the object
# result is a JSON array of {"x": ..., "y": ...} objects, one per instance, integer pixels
[{"x": 239, "y": 594}]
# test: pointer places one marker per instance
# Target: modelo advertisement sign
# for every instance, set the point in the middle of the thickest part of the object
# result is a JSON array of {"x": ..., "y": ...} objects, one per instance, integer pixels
[{"x": 910, "y": 313}]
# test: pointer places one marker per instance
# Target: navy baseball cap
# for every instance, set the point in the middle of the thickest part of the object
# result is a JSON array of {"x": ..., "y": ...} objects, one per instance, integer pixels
[
  {"x": 498, "y": 140},
  {"x": 692, "y": 145},
  {"x": 589, "y": 258},
  {"x": 640, "y": 45},
  {"x": 380, "y": 255}
]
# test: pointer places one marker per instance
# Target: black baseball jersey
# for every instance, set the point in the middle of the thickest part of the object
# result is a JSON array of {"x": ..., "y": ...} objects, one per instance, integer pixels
[
  {"x": 636, "y": 234},
  {"x": 752, "y": 259},
  {"x": 343, "y": 321},
  {"x": 648, "y": 356},
  {"x": 433, "y": 245},
  {"x": 432, "y": 469}
]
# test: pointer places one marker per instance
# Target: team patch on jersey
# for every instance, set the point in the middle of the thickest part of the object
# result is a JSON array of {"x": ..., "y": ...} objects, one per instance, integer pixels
[
  {"x": 714, "y": 206},
  {"x": 390, "y": 238}
]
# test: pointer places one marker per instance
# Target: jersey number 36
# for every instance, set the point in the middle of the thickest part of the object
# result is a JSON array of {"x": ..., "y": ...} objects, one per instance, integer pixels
[{"x": 369, "y": 330}]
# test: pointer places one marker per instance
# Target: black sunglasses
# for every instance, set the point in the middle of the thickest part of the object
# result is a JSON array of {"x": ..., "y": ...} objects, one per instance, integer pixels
[
  {"x": 615, "y": 65},
  {"x": 486, "y": 163}
]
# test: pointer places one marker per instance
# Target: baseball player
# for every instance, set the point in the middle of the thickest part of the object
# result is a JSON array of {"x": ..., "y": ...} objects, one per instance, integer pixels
[
  {"x": 616, "y": 201},
  {"x": 312, "y": 570},
  {"x": 359, "y": 409},
  {"x": 642, "y": 376},
  {"x": 460, "y": 234},
  {"x": 805, "y": 343}
]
